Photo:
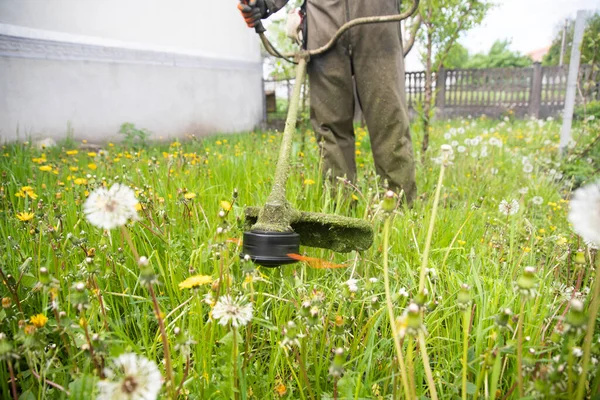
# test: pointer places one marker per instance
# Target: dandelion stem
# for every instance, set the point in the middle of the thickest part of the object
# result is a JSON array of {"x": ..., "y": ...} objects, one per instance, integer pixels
[
  {"x": 466, "y": 323},
  {"x": 165, "y": 340},
  {"x": 13, "y": 383},
  {"x": 234, "y": 356},
  {"x": 127, "y": 237},
  {"x": 520, "y": 349},
  {"x": 390, "y": 308},
  {"x": 436, "y": 200},
  {"x": 587, "y": 343},
  {"x": 427, "y": 367}
]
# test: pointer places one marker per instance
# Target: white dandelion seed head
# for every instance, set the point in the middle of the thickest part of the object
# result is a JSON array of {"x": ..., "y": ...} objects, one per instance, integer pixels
[
  {"x": 527, "y": 168},
  {"x": 508, "y": 208},
  {"x": 537, "y": 200},
  {"x": 130, "y": 377},
  {"x": 461, "y": 149},
  {"x": 352, "y": 285},
  {"x": 584, "y": 212},
  {"x": 111, "y": 208},
  {"x": 236, "y": 311},
  {"x": 524, "y": 190}
]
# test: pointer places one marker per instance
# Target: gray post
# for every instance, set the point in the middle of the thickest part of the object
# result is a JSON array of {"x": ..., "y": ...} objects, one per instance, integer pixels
[
  {"x": 440, "y": 89},
  {"x": 535, "y": 95},
  {"x": 565, "y": 134},
  {"x": 563, "y": 45}
]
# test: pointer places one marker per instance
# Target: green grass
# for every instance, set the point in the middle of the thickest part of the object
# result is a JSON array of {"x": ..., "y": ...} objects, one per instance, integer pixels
[{"x": 472, "y": 243}]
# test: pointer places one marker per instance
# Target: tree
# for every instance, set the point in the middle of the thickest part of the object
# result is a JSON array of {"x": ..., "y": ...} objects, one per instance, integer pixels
[
  {"x": 443, "y": 21},
  {"x": 590, "y": 48},
  {"x": 499, "y": 56},
  {"x": 458, "y": 57}
]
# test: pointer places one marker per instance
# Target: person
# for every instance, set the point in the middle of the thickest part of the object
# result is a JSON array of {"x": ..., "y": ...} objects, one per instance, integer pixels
[{"x": 370, "y": 58}]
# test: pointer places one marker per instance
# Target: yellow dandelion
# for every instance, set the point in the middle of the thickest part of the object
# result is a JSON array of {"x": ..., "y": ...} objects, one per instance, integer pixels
[
  {"x": 225, "y": 205},
  {"x": 39, "y": 320},
  {"x": 189, "y": 195},
  {"x": 194, "y": 281},
  {"x": 74, "y": 169},
  {"x": 80, "y": 181},
  {"x": 354, "y": 197},
  {"x": 92, "y": 166},
  {"x": 25, "y": 216},
  {"x": 91, "y": 154},
  {"x": 72, "y": 152},
  {"x": 309, "y": 182},
  {"x": 46, "y": 168}
]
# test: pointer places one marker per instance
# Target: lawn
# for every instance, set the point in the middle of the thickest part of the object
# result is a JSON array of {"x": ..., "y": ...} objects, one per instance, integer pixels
[{"x": 487, "y": 284}]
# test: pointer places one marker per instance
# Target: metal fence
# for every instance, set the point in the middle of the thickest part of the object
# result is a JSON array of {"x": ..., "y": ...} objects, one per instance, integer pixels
[{"x": 533, "y": 91}]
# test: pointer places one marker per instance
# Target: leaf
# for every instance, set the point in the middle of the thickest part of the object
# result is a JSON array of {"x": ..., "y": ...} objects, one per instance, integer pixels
[
  {"x": 27, "y": 395},
  {"x": 82, "y": 387},
  {"x": 471, "y": 388}
]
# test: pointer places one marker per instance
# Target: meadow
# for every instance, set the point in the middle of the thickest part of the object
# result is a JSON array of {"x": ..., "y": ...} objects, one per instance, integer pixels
[{"x": 480, "y": 290}]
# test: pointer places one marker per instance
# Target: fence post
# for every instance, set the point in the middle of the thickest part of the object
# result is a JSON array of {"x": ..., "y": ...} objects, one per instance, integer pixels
[
  {"x": 535, "y": 96},
  {"x": 440, "y": 89}
]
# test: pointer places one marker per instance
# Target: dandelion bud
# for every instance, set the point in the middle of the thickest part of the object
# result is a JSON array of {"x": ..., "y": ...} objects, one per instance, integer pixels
[
  {"x": 89, "y": 260},
  {"x": 337, "y": 365},
  {"x": 44, "y": 276},
  {"x": 305, "y": 309},
  {"x": 62, "y": 314},
  {"x": 464, "y": 296},
  {"x": 503, "y": 317},
  {"x": 421, "y": 297},
  {"x": 95, "y": 337},
  {"x": 80, "y": 286},
  {"x": 527, "y": 282},
  {"x": 147, "y": 276},
  {"x": 79, "y": 298},
  {"x": 580, "y": 257},
  {"x": 414, "y": 321},
  {"x": 576, "y": 318},
  {"x": 389, "y": 202},
  {"x": 143, "y": 261},
  {"x": 339, "y": 325},
  {"x": 6, "y": 302},
  {"x": 235, "y": 193},
  {"x": 222, "y": 214},
  {"x": 177, "y": 330}
]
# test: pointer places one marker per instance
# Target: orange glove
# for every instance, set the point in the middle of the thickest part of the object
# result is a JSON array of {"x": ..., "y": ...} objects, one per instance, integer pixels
[{"x": 252, "y": 11}]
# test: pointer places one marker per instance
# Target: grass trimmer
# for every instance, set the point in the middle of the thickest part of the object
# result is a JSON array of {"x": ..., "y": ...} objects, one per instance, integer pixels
[{"x": 277, "y": 229}]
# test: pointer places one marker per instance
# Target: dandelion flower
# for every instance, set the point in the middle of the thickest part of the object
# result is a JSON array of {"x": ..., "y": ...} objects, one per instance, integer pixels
[
  {"x": 194, "y": 281},
  {"x": 25, "y": 216},
  {"x": 130, "y": 377},
  {"x": 111, "y": 208},
  {"x": 527, "y": 168},
  {"x": 507, "y": 208},
  {"x": 309, "y": 182},
  {"x": 352, "y": 285},
  {"x": 584, "y": 212},
  {"x": 39, "y": 320},
  {"x": 235, "y": 311}
]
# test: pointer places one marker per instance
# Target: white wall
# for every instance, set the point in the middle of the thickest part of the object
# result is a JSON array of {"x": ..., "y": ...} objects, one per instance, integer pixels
[{"x": 177, "y": 67}]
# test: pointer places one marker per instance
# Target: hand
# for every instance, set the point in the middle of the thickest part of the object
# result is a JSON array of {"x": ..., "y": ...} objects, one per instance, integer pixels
[{"x": 252, "y": 11}]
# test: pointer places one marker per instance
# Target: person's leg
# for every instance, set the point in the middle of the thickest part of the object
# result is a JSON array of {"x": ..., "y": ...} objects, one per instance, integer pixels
[
  {"x": 331, "y": 90},
  {"x": 378, "y": 63}
]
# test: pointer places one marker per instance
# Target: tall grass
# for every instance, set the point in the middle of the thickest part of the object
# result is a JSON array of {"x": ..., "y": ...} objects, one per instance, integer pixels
[{"x": 183, "y": 186}]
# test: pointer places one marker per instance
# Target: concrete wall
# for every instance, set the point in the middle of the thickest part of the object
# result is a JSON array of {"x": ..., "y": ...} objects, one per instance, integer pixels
[{"x": 184, "y": 66}]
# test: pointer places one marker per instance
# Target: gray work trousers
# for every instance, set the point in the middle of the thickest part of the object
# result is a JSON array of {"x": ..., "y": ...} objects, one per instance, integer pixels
[{"x": 370, "y": 57}]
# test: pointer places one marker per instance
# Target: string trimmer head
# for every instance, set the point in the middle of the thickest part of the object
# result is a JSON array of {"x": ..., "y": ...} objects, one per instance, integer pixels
[{"x": 277, "y": 229}]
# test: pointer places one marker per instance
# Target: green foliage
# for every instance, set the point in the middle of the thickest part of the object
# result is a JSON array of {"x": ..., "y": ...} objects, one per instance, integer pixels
[
  {"x": 590, "y": 47},
  {"x": 499, "y": 56},
  {"x": 444, "y": 21},
  {"x": 590, "y": 110},
  {"x": 457, "y": 57},
  {"x": 133, "y": 136}
]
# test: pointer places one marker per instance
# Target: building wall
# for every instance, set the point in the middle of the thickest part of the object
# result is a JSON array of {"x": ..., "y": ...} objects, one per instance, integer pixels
[{"x": 184, "y": 66}]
